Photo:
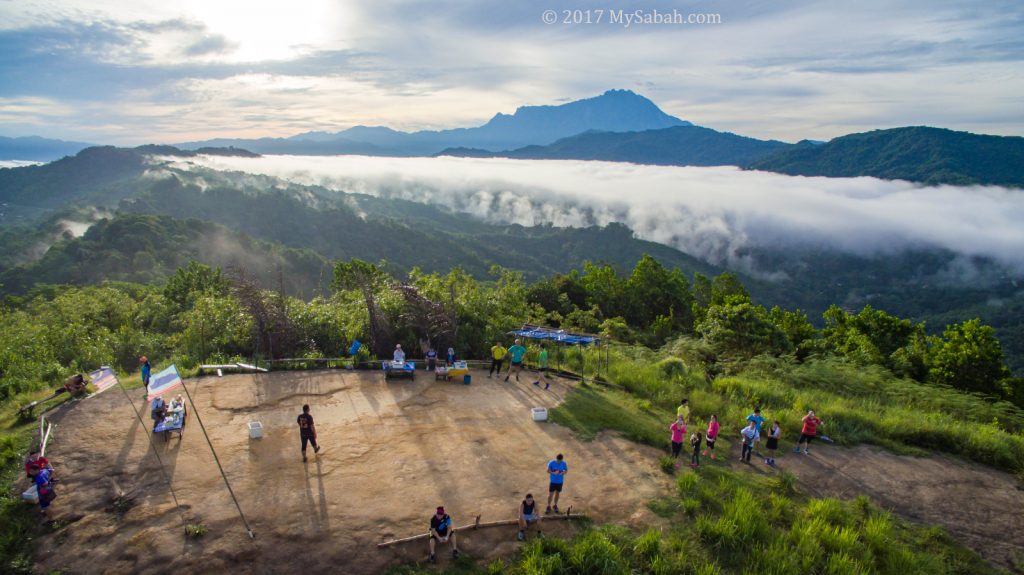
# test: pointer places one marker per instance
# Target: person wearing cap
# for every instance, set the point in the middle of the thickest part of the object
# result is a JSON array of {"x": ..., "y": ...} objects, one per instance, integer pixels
[
  {"x": 399, "y": 354},
  {"x": 35, "y": 460},
  {"x": 146, "y": 369},
  {"x": 442, "y": 530},
  {"x": 528, "y": 514}
]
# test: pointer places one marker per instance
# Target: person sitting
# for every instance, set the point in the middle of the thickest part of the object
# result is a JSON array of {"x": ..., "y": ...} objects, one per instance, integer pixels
[
  {"x": 158, "y": 410},
  {"x": 451, "y": 356},
  {"x": 176, "y": 412},
  {"x": 431, "y": 359},
  {"x": 527, "y": 515},
  {"x": 441, "y": 529},
  {"x": 399, "y": 354}
]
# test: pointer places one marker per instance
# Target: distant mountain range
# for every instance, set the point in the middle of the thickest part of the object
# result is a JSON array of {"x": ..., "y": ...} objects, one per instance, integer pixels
[
  {"x": 676, "y": 146},
  {"x": 613, "y": 111},
  {"x": 622, "y": 126},
  {"x": 34, "y": 148},
  {"x": 918, "y": 154}
]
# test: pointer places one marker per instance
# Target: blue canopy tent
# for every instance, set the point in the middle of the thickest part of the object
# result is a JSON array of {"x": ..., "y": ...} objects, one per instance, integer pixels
[{"x": 560, "y": 336}]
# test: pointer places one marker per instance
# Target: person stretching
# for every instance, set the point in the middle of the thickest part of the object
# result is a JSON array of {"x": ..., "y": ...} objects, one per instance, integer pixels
[
  {"x": 441, "y": 529},
  {"x": 557, "y": 468},
  {"x": 517, "y": 351},
  {"x": 527, "y": 515},
  {"x": 808, "y": 433}
]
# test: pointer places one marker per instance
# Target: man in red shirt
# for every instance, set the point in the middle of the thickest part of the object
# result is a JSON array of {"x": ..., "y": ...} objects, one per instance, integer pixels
[
  {"x": 36, "y": 461},
  {"x": 808, "y": 433}
]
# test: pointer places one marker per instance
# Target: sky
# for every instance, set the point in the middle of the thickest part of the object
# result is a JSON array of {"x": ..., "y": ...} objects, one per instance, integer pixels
[
  {"x": 165, "y": 71},
  {"x": 716, "y": 214}
]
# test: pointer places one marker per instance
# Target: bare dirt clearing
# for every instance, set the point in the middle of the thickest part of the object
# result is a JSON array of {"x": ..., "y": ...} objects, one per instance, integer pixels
[
  {"x": 391, "y": 453},
  {"x": 981, "y": 507}
]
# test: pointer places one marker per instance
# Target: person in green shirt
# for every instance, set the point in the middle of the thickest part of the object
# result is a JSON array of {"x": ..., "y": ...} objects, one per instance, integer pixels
[
  {"x": 497, "y": 358},
  {"x": 517, "y": 352},
  {"x": 543, "y": 360},
  {"x": 684, "y": 409}
]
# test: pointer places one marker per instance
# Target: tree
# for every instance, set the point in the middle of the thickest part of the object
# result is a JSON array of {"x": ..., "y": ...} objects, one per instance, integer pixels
[
  {"x": 192, "y": 281},
  {"x": 741, "y": 329},
  {"x": 653, "y": 292},
  {"x": 605, "y": 289},
  {"x": 969, "y": 357}
]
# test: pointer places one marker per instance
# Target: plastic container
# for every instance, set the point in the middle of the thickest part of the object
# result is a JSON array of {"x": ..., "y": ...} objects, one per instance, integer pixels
[
  {"x": 540, "y": 413},
  {"x": 255, "y": 430},
  {"x": 466, "y": 379}
]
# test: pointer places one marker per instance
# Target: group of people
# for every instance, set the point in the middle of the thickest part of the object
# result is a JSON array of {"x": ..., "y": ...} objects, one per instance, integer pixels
[
  {"x": 516, "y": 354},
  {"x": 443, "y": 531},
  {"x": 750, "y": 435},
  {"x": 399, "y": 357},
  {"x": 161, "y": 410},
  {"x": 40, "y": 472}
]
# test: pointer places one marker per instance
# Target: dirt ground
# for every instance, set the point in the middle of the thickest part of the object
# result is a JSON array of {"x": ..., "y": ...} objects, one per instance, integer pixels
[{"x": 391, "y": 453}]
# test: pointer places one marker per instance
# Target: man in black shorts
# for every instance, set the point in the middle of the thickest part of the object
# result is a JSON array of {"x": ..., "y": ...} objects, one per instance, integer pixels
[
  {"x": 441, "y": 529},
  {"x": 307, "y": 431}
]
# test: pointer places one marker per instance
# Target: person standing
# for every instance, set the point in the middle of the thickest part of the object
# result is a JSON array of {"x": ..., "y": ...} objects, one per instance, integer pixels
[
  {"x": 695, "y": 441},
  {"x": 146, "y": 370},
  {"x": 399, "y": 355},
  {"x": 516, "y": 354},
  {"x": 808, "y": 432},
  {"x": 36, "y": 460},
  {"x": 773, "y": 442},
  {"x": 158, "y": 410},
  {"x": 442, "y": 530},
  {"x": 307, "y": 431},
  {"x": 678, "y": 429},
  {"x": 712, "y": 436},
  {"x": 542, "y": 360},
  {"x": 758, "y": 420},
  {"x": 497, "y": 358},
  {"x": 44, "y": 486},
  {"x": 451, "y": 356},
  {"x": 557, "y": 468},
  {"x": 431, "y": 359},
  {"x": 684, "y": 409},
  {"x": 748, "y": 434},
  {"x": 528, "y": 515}
]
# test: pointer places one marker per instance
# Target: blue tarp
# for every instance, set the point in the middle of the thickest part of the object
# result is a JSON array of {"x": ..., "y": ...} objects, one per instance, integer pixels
[{"x": 560, "y": 336}]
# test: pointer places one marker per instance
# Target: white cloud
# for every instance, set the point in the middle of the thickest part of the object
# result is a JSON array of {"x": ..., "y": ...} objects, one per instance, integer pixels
[{"x": 714, "y": 213}]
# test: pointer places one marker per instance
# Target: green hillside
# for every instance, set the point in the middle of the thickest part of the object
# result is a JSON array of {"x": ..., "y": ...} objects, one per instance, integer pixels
[{"x": 918, "y": 154}]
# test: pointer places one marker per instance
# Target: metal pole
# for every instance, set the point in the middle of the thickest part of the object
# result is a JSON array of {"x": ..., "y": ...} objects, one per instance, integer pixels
[{"x": 217, "y": 461}]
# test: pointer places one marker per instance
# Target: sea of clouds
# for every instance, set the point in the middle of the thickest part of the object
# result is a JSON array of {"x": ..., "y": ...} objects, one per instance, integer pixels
[{"x": 717, "y": 213}]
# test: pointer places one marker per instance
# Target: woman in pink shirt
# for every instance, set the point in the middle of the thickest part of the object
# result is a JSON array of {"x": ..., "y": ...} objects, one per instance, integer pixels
[
  {"x": 711, "y": 436},
  {"x": 678, "y": 429}
]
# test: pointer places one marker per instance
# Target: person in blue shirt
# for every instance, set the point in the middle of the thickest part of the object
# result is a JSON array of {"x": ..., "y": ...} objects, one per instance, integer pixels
[
  {"x": 442, "y": 530},
  {"x": 41, "y": 477},
  {"x": 517, "y": 352},
  {"x": 757, "y": 420},
  {"x": 399, "y": 354},
  {"x": 451, "y": 356},
  {"x": 557, "y": 468},
  {"x": 431, "y": 359},
  {"x": 146, "y": 369}
]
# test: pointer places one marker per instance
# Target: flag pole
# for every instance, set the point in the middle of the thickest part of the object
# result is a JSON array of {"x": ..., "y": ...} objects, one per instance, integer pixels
[
  {"x": 149, "y": 436},
  {"x": 217, "y": 461}
]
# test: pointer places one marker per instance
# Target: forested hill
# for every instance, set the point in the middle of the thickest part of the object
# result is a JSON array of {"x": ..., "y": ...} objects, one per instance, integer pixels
[
  {"x": 917, "y": 154},
  {"x": 675, "y": 146}
]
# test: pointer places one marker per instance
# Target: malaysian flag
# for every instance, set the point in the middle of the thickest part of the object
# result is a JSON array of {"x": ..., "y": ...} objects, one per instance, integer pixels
[
  {"x": 163, "y": 382},
  {"x": 103, "y": 378}
]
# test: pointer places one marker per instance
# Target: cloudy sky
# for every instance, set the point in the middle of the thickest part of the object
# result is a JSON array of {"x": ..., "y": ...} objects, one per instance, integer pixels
[{"x": 136, "y": 71}]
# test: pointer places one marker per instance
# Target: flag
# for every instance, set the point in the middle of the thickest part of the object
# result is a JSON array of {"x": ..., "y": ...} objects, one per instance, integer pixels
[
  {"x": 103, "y": 378},
  {"x": 163, "y": 382}
]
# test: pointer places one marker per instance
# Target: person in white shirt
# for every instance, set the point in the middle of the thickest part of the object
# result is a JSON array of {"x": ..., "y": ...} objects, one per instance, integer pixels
[{"x": 399, "y": 354}]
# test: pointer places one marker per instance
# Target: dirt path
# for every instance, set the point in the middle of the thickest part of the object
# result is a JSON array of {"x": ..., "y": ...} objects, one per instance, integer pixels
[
  {"x": 392, "y": 452},
  {"x": 983, "y": 508}
]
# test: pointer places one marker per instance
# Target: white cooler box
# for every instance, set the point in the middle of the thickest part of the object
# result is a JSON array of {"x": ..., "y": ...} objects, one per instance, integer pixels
[{"x": 540, "y": 414}]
